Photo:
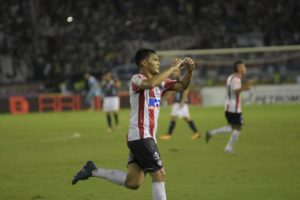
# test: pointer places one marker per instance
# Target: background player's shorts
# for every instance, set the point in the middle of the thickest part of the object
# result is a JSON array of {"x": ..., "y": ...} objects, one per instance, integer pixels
[
  {"x": 111, "y": 104},
  {"x": 145, "y": 153},
  {"x": 234, "y": 118},
  {"x": 180, "y": 111}
]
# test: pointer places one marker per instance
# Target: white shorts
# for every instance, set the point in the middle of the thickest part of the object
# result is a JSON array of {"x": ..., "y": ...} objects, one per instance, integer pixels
[
  {"x": 180, "y": 111},
  {"x": 111, "y": 104}
]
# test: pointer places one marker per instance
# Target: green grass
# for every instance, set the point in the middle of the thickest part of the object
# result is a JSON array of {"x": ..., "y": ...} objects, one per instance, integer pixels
[{"x": 38, "y": 156}]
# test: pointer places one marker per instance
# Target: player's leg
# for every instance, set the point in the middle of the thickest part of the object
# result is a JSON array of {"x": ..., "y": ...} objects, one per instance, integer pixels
[
  {"x": 146, "y": 154},
  {"x": 237, "y": 122},
  {"x": 90, "y": 170},
  {"x": 174, "y": 115},
  {"x": 185, "y": 113},
  {"x": 158, "y": 185},
  {"x": 190, "y": 122},
  {"x": 156, "y": 171},
  {"x": 233, "y": 139},
  {"x": 116, "y": 117},
  {"x": 115, "y": 109},
  {"x": 107, "y": 110},
  {"x": 170, "y": 129},
  {"x": 172, "y": 125},
  {"x": 108, "y": 120},
  {"x": 112, "y": 175},
  {"x": 221, "y": 130},
  {"x": 135, "y": 176},
  {"x": 89, "y": 99},
  {"x": 131, "y": 180}
]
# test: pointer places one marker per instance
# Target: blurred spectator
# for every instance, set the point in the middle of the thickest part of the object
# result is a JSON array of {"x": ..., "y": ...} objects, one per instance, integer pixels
[{"x": 58, "y": 40}]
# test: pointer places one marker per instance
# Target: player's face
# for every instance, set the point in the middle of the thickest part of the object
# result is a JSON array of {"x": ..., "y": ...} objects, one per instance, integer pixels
[
  {"x": 242, "y": 69},
  {"x": 152, "y": 64}
]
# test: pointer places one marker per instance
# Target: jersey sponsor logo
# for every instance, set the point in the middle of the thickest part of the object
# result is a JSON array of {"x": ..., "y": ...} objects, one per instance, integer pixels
[
  {"x": 159, "y": 162},
  {"x": 154, "y": 103},
  {"x": 156, "y": 156}
]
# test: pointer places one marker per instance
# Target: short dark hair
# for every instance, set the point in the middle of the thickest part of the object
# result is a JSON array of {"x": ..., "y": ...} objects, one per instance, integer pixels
[
  {"x": 142, "y": 54},
  {"x": 236, "y": 64}
]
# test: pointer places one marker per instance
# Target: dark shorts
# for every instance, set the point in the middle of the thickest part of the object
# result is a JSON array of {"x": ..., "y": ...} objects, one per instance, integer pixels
[
  {"x": 234, "y": 118},
  {"x": 145, "y": 153}
]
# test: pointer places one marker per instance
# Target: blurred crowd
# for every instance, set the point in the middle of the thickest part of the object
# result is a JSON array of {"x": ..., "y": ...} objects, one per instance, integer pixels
[{"x": 58, "y": 40}]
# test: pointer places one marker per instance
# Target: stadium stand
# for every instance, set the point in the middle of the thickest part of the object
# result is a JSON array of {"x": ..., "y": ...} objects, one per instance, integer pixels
[{"x": 56, "y": 41}]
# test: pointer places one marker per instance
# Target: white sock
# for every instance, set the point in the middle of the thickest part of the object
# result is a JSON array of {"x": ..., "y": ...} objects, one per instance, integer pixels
[
  {"x": 232, "y": 140},
  {"x": 158, "y": 191},
  {"x": 224, "y": 129},
  {"x": 112, "y": 175}
]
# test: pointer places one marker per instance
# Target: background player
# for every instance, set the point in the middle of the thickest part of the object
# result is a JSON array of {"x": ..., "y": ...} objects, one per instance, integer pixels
[
  {"x": 233, "y": 111},
  {"x": 94, "y": 90},
  {"x": 146, "y": 90},
  {"x": 180, "y": 109},
  {"x": 111, "y": 100}
]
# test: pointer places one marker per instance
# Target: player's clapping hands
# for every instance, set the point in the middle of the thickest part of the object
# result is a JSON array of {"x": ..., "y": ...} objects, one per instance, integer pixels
[
  {"x": 186, "y": 63},
  {"x": 189, "y": 64},
  {"x": 176, "y": 64}
]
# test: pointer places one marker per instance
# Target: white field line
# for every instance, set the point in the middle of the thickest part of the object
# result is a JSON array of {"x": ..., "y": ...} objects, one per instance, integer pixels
[{"x": 63, "y": 138}]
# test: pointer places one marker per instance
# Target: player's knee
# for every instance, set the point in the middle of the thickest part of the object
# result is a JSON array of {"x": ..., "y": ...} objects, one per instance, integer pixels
[
  {"x": 238, "y": 127},
  {"x": 132, "y": 185},
  {"x": 187, "y": 119},
  {"x": 163, "y": 175},
  {"x": 159, "y": 176}
]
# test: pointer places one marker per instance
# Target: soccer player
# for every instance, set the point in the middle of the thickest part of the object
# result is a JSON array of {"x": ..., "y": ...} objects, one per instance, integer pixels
[
  {"x": 146, "y": 90},
  {"x": 111, "y": 100},
  {"x": 94, "y": 89},
  {"x": 180, "y": 109},
  {"x": 233, "y": 111}
]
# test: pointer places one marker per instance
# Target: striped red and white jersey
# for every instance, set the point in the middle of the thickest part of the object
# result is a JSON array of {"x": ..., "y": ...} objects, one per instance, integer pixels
[
  {"x": 145, "y": 106},
  {"x": 233, "y": 101}
]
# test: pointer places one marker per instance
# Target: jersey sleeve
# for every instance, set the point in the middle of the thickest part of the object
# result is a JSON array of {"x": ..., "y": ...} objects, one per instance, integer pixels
[
  {"x": 136, "y": 81},
  {"x": 167, "y": 85}
]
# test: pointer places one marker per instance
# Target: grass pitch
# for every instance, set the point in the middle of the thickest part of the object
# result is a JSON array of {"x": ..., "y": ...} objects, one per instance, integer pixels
[{"x": 39, "y": 154}]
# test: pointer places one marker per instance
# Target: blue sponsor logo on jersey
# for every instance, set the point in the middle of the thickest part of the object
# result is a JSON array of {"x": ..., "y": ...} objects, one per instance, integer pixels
[{"x": 154, "y": 103}]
